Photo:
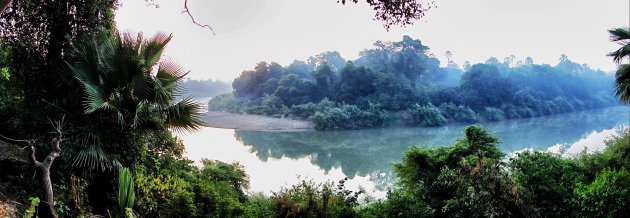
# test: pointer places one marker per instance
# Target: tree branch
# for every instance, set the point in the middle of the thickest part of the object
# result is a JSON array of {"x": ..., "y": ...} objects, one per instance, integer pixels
[
  {"x": 30, "y": 145},
  {"x": 32, "y": 157},
  {"x": 187, "y": 11}
]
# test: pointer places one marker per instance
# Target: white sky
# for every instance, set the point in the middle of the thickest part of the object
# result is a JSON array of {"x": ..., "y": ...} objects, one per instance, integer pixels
[{"x": 250, "y": 31}]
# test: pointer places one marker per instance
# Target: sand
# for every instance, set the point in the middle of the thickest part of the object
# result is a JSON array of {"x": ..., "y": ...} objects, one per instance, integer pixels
[{"x": 250, "y": 122}]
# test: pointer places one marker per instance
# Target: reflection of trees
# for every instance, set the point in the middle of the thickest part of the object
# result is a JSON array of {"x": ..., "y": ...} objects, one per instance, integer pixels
[
  {"x": 542, "y": 132},
  {"x": 370, "y": 152}
]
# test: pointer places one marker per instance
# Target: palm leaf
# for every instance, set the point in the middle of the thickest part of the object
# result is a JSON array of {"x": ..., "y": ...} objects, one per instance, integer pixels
[
  {"x": 619, "y": 34},
  {"x": 622, "y": 37},
  {"x": 90, "y": 156},
  {"x": 126, "y": 195},
  {"x": 152, "y": 49},
  {"x": 622, "y": 83},
  {"x": 185, "y": 116}
]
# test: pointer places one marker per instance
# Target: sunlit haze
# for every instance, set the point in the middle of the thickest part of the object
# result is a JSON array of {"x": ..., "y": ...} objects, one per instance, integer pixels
[{"x": 250, "y": 31}]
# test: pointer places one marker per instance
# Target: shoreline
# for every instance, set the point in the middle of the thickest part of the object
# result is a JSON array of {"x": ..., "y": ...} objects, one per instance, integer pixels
[{"x": 250, "y": 122}]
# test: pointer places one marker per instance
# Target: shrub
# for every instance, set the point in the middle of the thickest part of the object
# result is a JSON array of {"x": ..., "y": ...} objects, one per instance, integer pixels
[
  {"x": 310, "y": 199},
  {"x": 459, "y": 113},
  {"x": 547, "y": 182},
  {"x": 426, "y": 115},
  {"x": 607, "y": 196},
  {"x": 303, "y": 110},
  {"x": 493, "y": 114},
  {"x": 347, "y": 117}
]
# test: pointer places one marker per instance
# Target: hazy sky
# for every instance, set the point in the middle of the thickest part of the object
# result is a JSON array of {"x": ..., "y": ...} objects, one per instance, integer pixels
[{"x": 250, "y": 31}]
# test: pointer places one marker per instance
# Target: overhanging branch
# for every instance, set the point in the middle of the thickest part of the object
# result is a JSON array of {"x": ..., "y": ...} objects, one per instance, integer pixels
[{"x": 187, "y": 11}]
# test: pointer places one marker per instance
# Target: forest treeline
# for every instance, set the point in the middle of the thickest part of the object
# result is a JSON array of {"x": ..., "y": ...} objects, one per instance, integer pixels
[
  {"x": 401, "y": 83},
  {"x": 206, "y": 88}
]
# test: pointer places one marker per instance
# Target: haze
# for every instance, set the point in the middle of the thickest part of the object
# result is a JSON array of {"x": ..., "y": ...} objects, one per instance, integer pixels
[{"x": 250, "y": 31}]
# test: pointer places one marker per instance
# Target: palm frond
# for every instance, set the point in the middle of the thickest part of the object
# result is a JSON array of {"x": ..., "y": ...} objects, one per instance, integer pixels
[
  {"x": 90, "y": 156},
  {"x": 172, "y": 69},
  {"x": 620, "y": 53},
  {"x": 622, "y": 83},
  {"x": 619, "y": 34},
  {"x": 168, "y": 81},
  {"x": 152, "y": 49},
  {"x": 185, "y": 116},
  {"x": 622, "y": 37}
]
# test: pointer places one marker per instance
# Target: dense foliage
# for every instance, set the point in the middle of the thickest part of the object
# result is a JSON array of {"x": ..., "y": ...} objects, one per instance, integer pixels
[
  {"x": 471, "y": 178},
  {"x": 120, "y": 101},
  {"x": 403, "y": 76}
]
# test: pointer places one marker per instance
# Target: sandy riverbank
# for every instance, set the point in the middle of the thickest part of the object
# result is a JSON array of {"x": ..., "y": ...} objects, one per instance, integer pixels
[{"x": 250, "y": 122}]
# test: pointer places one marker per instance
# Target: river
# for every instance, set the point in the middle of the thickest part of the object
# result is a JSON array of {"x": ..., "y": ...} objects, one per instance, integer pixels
[{"x": 276, "y": 159}]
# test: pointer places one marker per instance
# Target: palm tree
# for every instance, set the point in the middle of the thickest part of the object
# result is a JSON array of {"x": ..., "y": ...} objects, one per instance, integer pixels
[
  {"x": 622, "y": 78},
  {"x": 125, "y": 78}
]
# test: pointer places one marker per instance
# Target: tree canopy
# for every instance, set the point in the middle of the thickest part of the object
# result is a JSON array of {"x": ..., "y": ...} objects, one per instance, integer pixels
[{"x": 404, "y": 77}]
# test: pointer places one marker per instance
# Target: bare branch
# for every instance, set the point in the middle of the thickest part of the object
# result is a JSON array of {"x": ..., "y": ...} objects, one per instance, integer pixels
[
  {"x": 34, "y": 160},
  {"x": 14, "y": 140},
  {"x": 187, "y": 11}
]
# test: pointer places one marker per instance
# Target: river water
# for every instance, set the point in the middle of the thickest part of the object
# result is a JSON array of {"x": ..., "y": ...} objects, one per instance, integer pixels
[{"x": 276, "y": 159}]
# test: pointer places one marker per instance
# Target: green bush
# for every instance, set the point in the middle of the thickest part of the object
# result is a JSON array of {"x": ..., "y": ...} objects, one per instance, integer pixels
[
  {"x": 461, "y": 180},
  {"x": 303, "y": 110},
  {"x": 492, "y": 114},
  {"x": 227, "y": 102},
  {"x": 176, "y": 188},
  {"x": 310, "y": 199},
  {"x": 347, "y": 117},
  {"x": 462, "y": 114},
  {"x": 607, "y": 196},
  {"x": 546, "y": 181},
  {"x": 426, "y": 115}
]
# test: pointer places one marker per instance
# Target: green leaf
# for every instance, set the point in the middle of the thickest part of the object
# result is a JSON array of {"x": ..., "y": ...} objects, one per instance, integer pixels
[{"x": 4, "y": 73}]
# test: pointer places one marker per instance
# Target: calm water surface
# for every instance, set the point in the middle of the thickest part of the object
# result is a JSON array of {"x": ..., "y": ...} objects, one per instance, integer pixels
[{"x": 276, "y": 159}]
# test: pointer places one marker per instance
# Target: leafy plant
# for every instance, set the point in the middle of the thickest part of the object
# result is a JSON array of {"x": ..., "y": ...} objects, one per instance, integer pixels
[
  {"x": 126, "y": 195},
  {"x": 31, "y": 210}
]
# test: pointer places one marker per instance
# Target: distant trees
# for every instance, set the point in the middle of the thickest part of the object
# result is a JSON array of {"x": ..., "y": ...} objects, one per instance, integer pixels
[
  {"x": 486, "y": 87},
  {"x": 396, "y": 76},
  {"x": 206, "y": 88}
]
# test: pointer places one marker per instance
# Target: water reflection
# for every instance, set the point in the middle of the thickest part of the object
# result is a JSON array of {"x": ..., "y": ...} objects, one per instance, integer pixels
[
  {"x": 363, "y": 152},
  {"x": 365, "y": 156}
]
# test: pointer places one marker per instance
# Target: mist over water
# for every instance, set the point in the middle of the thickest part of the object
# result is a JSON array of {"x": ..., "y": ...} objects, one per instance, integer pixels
[{"x": 275, "y": 159}]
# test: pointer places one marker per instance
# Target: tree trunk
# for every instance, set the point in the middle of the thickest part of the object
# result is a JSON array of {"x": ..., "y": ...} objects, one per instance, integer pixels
[
  {"x": 48, "y": 192},
  {"x": 44, "y": 170}
]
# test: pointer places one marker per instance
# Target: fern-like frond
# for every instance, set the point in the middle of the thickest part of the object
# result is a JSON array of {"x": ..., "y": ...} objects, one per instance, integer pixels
[
  {"x": 152, "y": 49},
  {"x": 92, "y": 158},
  {"x": 185, "y": 116},
  {"x": 622, "y": 83}
]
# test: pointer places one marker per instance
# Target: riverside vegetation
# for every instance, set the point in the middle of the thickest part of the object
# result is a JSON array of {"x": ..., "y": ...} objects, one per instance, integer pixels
[
  {"x": 115, "y": 154},
  {"x": 400, "y": 83}
]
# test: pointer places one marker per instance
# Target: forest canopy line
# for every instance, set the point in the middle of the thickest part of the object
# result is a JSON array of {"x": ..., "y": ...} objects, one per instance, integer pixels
[{"x": 401, "y": 83}]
